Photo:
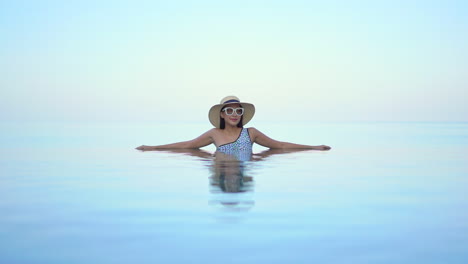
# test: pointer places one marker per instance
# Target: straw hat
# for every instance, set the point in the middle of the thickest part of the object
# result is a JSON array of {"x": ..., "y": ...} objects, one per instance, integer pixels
[{"x": 213, "y": 114}]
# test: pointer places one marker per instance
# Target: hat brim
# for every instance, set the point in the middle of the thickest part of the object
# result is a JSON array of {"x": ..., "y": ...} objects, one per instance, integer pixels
[{"x": 215, "y": 110}]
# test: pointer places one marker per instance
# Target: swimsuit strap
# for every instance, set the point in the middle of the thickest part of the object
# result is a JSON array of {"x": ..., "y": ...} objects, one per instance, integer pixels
[{"x": 242, "y": 143}]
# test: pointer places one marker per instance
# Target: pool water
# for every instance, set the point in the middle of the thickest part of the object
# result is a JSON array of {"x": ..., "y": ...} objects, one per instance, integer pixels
[{"x": 385, "y": 193}]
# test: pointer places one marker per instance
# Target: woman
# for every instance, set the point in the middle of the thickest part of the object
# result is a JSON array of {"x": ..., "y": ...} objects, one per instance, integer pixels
[{"x": 229, "y": 134}]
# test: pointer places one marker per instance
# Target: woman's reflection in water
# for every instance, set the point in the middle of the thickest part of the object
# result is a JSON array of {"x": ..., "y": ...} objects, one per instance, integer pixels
[{"x": 231, "y": 179}]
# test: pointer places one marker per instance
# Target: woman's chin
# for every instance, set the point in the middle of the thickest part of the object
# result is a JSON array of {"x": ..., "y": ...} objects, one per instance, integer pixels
[{"x": 233, "y": 123}]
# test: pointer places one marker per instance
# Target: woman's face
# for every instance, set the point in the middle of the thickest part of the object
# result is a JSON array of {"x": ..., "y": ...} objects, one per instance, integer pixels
[{"x": 233, "y": 119}]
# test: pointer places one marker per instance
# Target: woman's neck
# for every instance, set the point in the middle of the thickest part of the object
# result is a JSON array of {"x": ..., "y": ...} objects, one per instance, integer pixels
[{"x": 232, "y": 129}]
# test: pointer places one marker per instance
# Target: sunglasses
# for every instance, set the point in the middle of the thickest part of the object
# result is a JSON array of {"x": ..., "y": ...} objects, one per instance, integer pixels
[{"x": 230, "y": 111}]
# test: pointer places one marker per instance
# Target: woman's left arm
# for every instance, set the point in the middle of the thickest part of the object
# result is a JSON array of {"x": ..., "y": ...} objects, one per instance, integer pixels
[{"x": 263, "y": 140}]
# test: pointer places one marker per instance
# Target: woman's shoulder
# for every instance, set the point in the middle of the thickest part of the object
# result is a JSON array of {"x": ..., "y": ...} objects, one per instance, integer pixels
[
  {"x": 211, "y": 133},
  {"x": 252, "y": 130},
  {"x": 255, "y": 132},
  {"x": 214, "y": 131}
]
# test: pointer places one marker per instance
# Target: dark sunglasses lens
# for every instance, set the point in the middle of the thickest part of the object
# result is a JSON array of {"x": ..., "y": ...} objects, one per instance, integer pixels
[
  {"x": 239, "y": 111},
  {"x": 229, "y": 111}
]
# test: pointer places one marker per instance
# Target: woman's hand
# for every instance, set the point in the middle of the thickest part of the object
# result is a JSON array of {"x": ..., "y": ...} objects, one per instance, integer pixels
[
  {"x": 142, "y": 147},
  {"x": 323, "y": 147}
]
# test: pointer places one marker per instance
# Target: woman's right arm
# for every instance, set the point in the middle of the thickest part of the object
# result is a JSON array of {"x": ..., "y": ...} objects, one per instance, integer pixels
[{"x": 203, "y": 140}]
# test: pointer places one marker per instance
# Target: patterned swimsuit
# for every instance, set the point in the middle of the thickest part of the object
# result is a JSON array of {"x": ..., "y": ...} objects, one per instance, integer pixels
[{"x": 241, "y": 148}]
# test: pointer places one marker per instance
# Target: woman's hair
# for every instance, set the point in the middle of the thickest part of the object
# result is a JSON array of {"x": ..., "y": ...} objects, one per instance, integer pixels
[{"x": 222, "y": 123}]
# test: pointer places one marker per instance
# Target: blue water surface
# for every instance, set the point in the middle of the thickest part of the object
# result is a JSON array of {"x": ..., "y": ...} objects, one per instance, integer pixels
[{"x": 385, "y": 193}]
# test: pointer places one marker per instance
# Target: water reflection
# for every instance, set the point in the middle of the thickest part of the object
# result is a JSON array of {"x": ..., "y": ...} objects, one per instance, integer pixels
[
  {"x": 231, "y": 180},
  {"x": 228, "y": 173}
]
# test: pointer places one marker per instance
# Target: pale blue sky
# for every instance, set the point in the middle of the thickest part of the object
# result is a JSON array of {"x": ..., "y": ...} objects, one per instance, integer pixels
[{"x": 295, "y": 60}]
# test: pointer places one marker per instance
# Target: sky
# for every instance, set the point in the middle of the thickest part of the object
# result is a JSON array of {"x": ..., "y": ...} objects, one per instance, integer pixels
[{"x": 296, "y": 60}]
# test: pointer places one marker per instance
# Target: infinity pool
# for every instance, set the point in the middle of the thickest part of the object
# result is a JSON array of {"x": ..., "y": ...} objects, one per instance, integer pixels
[{"x": 385, "y": 193}]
